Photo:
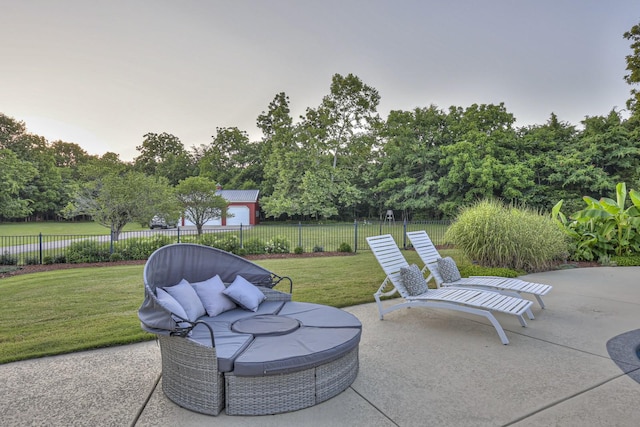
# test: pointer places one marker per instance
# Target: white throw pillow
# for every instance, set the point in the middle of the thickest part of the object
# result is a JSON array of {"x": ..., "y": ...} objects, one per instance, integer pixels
[
  {"x": 413, "y": 280},
  {"x": 170, "y": 303},
  {"x": 448, "y": 270},
  {"x": 245, "y": 294},
  {"x": 184, "y": 293},
  {"x": 211, "y": 294}
]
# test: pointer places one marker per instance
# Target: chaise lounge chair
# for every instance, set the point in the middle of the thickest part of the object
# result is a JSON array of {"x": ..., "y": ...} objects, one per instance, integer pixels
[
  {"x": 400, "y": 275},
  {"x": 432, "y": 260}
]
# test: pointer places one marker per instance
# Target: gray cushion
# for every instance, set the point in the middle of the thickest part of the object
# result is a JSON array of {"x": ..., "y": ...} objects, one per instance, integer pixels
[
  {"x": 413, "y": 280},
  {"x": 184, "y": 293},
  {"x": 320, "y": 316},
  {"x": 170, "y": 303},
  {"x": 211, "y": 294},
  {"x": 448, "y": 270},
  {"x": 245, "y": 294},
  {"x": 302, "y": 349}
]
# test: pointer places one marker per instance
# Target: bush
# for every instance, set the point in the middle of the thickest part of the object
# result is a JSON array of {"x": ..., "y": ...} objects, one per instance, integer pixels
[
  {"x": 7, "y": 259},
  {"x": 32, "y": 260},
  {"x": 255, "y": 246},
  {"x": 626, "y": 261},
  {"x": 318, "y": 248},
  {"x": 498, "y": 235},
  {"x": 344, "y": 247},
  {"x": 114, "y": 257},
  {"x": 88, "y": 251},
  {"x": 47, "y": 260},
  {"x": 298, "y": 250},
  {"x": 277, "y": 245},
  {"x": 137, "y": 248}
]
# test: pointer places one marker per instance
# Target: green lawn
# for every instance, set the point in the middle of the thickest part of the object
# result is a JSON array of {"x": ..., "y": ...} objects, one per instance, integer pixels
[
  {"x": 58, "y": 228},
  {"x": 77, "y": 309}
]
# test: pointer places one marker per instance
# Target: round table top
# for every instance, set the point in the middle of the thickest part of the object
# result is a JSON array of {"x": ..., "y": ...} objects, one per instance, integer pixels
[{"x": 265, "y": 324}]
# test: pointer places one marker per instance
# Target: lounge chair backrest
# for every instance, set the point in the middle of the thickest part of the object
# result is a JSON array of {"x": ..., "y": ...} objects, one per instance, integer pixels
[
  {"x": 390, "y": 258},
  {"x": 427, "y": 252}
]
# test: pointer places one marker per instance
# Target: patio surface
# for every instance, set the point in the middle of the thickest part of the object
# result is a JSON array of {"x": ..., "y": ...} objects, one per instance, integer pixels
[{"x": 418, "y": 367}]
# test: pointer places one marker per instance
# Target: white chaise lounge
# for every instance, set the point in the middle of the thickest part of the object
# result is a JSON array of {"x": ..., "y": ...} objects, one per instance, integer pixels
[
  {"x": 430, "y": 257},
  {"x": 475, "y": 301}
]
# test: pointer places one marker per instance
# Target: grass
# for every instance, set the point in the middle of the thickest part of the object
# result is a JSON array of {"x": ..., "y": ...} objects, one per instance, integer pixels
[
  {"x": 58, "y": 228},
  {"x": 70, "y": 310}
]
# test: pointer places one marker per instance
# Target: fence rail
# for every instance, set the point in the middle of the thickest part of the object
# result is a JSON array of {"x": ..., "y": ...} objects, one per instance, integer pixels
[{"x": 265, "y": 238}]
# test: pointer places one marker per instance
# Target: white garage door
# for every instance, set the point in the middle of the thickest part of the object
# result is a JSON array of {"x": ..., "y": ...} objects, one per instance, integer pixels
[{"x": 240, "y": 215}]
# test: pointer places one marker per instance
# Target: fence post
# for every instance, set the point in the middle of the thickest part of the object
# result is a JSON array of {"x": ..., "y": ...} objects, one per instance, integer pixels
[
  {"x": 404, "y": 234},
  {"x": 111, "y": 241},
  {"x": 178, "y": 234},
  {"x": 40, "y": 244},
  {"x": 299, "y": 234},
  {"x": 241, "y": 242},
  {"x": 355, "y": 235}
]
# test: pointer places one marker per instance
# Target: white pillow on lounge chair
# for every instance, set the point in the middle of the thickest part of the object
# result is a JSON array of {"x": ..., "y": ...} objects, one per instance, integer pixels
[{"x": 170, "y": 303}]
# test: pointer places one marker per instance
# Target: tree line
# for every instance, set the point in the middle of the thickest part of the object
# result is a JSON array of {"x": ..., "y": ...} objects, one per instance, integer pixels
[{"x": 341, "y": 160}]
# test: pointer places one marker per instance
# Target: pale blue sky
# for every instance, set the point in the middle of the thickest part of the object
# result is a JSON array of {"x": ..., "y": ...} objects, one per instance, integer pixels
[{"x": 104, "y": 73}]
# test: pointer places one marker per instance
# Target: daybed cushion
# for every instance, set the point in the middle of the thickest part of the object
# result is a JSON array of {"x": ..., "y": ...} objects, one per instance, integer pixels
[
  {"x": 413, "y": 280},
  {"x": 170, "y": 303},
  {"x": 210, "y": 293},
  {"x": 320, "y": 316},
  {"x": 448, "y": 269},
  {"x": 245, "y": 294},
  {"x": 184, "y": 293},
  {"x": 302, "y": 349}
]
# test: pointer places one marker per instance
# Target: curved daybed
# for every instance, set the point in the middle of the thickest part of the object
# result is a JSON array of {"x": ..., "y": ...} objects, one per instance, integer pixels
[{"x": 281, "y": 357}]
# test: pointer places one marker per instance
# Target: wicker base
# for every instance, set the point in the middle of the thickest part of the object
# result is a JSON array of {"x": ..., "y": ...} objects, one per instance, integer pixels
[
  {"x": 274, "y": 394},
  {"x": 190, "y": 376}
]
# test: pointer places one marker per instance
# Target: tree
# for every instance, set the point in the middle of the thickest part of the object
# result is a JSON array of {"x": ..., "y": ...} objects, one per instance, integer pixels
[
  {"x": 231, "y": 160},
  {"x": 633, "y": 66},
  {"x": 115, "y": 199},
  {"x": 199, "y": 202},
  {"x": 14, "y": 175},
  {"x": 164, "y": 155}
]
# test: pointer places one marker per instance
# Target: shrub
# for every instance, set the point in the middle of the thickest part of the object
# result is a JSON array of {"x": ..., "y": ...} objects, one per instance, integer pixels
[
  {"x": 7, "y": 259},
  {"x": 626, "y": 261},
  {"x": 47, "y": 260},
  {"x": 136, "y": 248},
  {"x": 32, "y": 260},
  {"x": 277, "y": 245},
  {"x": 318, "y": 248},
  {"x": 298, "y": 250},
  {"x": 88, "y": 251},
  {"x": 255, "y": 246},
  {"x": 344, "y": 247},
  {"x": 498, "y": 235},
  {"x": 60, "y": 259},
  {"x": 114, "y": 257}
]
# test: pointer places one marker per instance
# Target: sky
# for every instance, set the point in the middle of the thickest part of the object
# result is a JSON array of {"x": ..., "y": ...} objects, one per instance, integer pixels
[{"x": 102, "y": 74}]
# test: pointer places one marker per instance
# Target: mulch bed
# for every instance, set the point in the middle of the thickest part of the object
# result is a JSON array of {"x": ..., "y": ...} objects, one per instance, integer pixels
[{"x": 27, "y": 269}]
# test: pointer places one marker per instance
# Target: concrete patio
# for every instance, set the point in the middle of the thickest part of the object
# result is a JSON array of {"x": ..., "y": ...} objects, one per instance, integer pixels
[{"x": 417, "y": 367}]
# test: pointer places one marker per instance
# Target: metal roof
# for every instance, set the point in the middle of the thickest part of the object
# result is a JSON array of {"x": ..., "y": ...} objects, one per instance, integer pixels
[{"x": 247, "y": 196}]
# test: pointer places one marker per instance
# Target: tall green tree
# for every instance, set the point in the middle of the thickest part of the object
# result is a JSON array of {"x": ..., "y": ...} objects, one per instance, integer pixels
[
  {"x": 164, "y": 155},
  {"x": 199, "y": 202},
  {"x": 633, "y": 67},
  {"x": 14, "y": 175}
]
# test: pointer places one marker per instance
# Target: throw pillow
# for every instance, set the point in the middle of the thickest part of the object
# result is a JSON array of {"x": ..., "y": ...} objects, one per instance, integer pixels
[
  {"x": 170, "y": 303},
  {"x": 213, "y": 300},
  {"x": 184, "y": 293},
  {"x": 413, "y": 280},
  {"x": 245, "y": 294},
  {"x": 448, "y": 270}
]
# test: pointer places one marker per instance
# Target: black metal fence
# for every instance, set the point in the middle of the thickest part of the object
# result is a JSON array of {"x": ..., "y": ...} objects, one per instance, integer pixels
[{"x": 265, "y": 238}]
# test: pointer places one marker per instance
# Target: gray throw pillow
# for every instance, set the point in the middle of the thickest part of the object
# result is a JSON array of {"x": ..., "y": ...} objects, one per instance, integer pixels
[
  {"x": 448, "y": 270},
  {"x": 184, "y": 293},
  {"x": 245, "y": 294},
  {"x": 170, "y": 303},
  {"x": 211, "y": 294},
  {"x": 413, "y": 280}
]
